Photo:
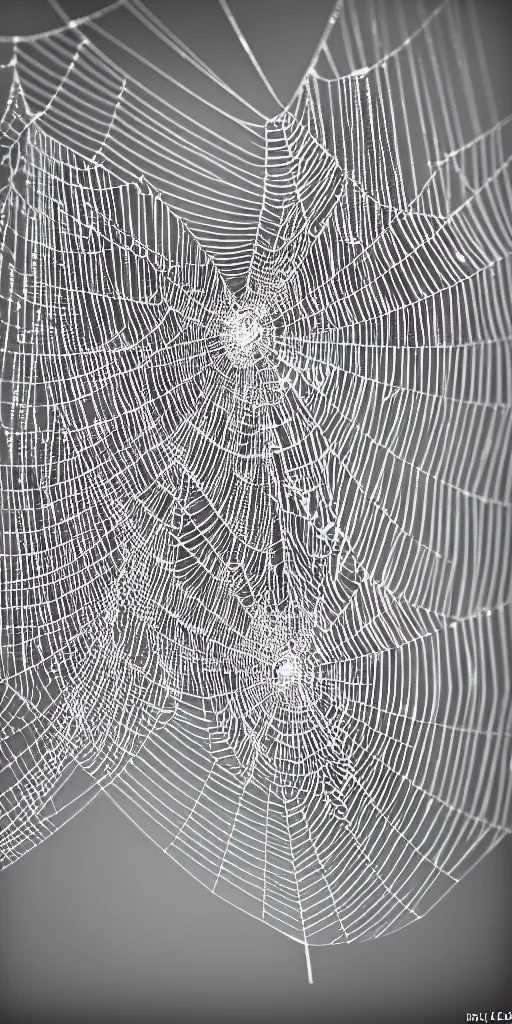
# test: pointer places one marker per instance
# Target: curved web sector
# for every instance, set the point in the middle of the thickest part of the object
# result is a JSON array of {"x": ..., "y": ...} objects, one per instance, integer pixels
[{"x": 256, "y": 482}]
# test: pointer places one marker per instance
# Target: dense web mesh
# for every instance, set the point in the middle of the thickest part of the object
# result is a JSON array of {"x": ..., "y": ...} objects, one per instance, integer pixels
[{"x": 256, "y": 475}]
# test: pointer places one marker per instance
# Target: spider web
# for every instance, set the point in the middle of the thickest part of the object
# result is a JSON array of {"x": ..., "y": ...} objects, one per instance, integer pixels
[{"x": 256, "y": 477}]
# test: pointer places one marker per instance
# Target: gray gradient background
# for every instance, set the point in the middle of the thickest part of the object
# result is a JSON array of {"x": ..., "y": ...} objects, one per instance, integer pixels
[{"x": 97, "y": 924}]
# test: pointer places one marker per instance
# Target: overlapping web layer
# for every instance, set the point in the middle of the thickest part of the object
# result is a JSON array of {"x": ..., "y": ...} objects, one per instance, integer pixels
[
  {"x": 191, "y": 140},
  {"x": 257, "y": 540}
]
